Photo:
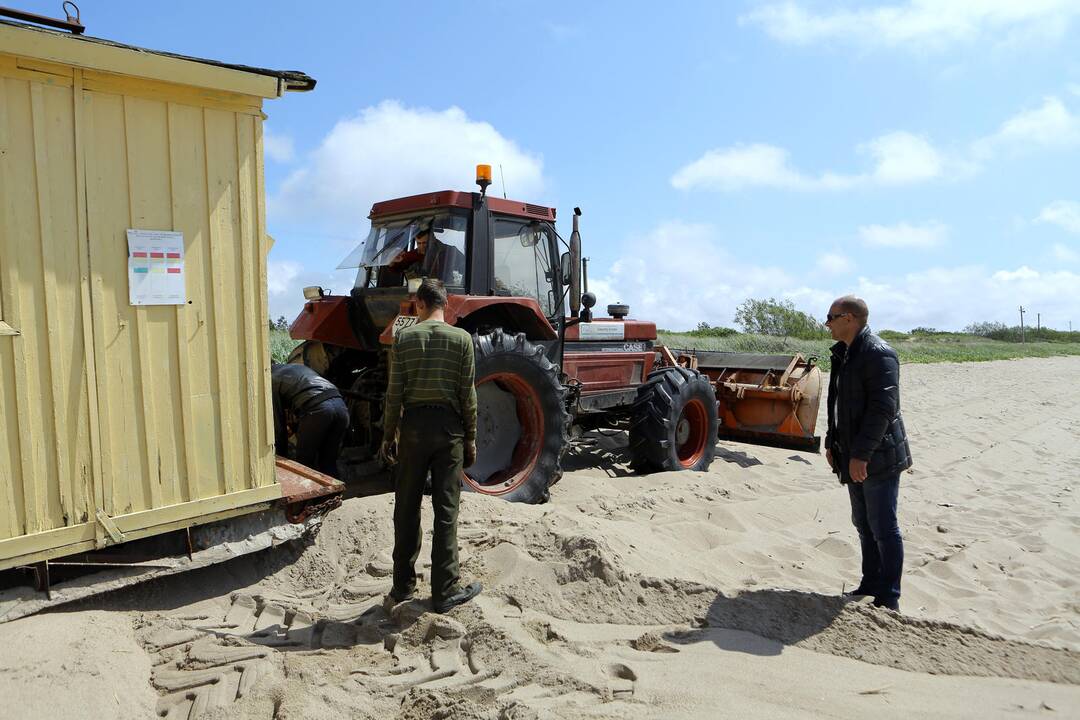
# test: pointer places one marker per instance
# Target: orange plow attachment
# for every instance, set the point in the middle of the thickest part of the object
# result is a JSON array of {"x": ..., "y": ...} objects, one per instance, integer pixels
[{"x": 766, "y": 399}]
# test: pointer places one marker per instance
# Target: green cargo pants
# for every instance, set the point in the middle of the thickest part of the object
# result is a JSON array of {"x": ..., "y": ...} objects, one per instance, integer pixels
[{"x": 431, "y": 440}]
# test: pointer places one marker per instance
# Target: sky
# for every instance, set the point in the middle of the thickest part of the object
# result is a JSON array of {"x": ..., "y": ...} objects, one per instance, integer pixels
[{"x": 922, "y": 154}]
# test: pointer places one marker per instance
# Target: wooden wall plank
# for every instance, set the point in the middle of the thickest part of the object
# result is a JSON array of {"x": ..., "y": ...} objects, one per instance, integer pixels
[
  {"x": 91, "y": 496},
  {"x": 249, "y": 345},
  {"x": 142, "y": 343},
  {"x": 263, "y": 244},
  {"x": 183, "y": 313},
  {"x": 60, "y": 248},
  {"x": 191, "y": 216},
  {"x": 56, "y": 359},
  {"x": 220, "y": 182},
  {"x": 10, "y": 521},
  {"x": 22, "y": 268},
  {"x": 108, "y": 218}
]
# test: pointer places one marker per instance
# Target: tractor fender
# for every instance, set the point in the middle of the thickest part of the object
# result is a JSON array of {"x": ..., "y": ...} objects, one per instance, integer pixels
[
  {"x": 516, "y": 314},
  {"x": 325, "y": 319},
  {"x": 521, "y": 314}
]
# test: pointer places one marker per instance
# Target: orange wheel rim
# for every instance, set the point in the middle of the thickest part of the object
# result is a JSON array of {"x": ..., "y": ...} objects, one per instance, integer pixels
[{"x": 691, "y": 432}]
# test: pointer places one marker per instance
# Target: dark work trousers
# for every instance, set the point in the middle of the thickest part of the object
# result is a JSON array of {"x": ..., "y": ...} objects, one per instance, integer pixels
[
  {"x": 873, "y": 512},
  {"x": 432, "y": 440},
  {"x": 319, "y": 435}
]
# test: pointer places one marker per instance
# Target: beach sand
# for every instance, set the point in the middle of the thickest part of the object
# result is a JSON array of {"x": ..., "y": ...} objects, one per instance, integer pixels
[{"x": 676, "y": 595}]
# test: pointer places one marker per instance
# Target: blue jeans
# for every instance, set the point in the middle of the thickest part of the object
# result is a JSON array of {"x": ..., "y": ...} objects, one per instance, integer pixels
[{"x": 873, "y": 512}]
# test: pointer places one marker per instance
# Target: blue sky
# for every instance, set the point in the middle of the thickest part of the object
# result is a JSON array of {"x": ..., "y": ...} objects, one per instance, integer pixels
[{"x": 921, "y": 154}]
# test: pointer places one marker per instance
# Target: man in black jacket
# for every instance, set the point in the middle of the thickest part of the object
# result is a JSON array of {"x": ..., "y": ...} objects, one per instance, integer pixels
[
  {"x": 866, "y": 444},
  {"x": 320, "y": 415}
]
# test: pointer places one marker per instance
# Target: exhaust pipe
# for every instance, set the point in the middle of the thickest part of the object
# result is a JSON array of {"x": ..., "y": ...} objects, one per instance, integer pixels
[{"x": 575, "y": 267}]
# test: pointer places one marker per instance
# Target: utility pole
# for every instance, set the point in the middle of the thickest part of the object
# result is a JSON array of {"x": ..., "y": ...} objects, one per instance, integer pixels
[
  {"x": 1038, "y": 322},
  {"x": 1022, "y": 324}
]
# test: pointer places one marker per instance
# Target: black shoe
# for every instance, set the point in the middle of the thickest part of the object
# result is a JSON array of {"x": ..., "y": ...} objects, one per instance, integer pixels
[
  {"x": 459, "y": 597},
  {"x": 887, "y": 603},
  {"x": 860, "y": 591},
  {"x": 399, "y": 596}
]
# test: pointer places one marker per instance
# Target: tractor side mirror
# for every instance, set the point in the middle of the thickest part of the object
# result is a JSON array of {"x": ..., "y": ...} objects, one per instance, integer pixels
[{"x": 564, "y": 268}]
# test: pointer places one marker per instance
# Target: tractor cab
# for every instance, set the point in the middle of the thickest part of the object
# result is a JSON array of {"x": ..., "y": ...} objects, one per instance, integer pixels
[{"x": 481, "y": 248}]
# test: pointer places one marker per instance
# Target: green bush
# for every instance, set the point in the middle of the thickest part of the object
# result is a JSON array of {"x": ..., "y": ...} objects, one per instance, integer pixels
[
  {"x": 778, "y": 318},
  {"x": 705, "y": 330},
  {"x": 281, "y": 344}
]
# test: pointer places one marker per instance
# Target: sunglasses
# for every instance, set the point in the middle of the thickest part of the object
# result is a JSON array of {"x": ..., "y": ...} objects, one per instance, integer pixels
[{"x": 830, "y": 317}]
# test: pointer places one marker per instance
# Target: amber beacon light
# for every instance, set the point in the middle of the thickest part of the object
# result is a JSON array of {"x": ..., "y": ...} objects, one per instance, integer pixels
[{"x": 483, "y": 177}]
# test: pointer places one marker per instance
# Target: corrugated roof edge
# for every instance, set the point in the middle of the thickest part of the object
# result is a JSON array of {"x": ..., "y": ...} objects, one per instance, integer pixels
[{"x": 293, "y": 79}]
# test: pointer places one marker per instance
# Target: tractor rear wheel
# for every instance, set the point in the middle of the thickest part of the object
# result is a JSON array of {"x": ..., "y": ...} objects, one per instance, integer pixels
[
  {"x": 522, "y": 422},
  {"x": 674, "y": 422}
]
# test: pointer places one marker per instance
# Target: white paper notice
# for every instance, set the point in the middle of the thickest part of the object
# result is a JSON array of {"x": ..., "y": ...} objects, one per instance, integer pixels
[{"x": 156, "y": 267}]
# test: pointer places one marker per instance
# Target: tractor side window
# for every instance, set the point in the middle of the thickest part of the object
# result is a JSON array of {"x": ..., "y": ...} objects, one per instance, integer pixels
[{"x": 522, "y": 262}]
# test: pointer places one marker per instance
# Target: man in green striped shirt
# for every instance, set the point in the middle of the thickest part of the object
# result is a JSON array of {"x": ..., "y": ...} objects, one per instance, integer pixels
[{"x": 431, "y": 399}]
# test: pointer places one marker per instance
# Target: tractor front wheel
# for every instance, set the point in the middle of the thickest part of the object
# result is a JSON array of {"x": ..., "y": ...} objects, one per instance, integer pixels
[
  {"x": 674, "y": 422},
  {"x": 522, "y": 422}
]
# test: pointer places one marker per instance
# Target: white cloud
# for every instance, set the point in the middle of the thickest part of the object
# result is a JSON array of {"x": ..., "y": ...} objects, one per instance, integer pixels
[
  {"x": 1063, "y": 213},
  {"x": 756, "y": 165},
  {"x": 652, "y": 278},
  {"x": 280, "y": 275},
  {"x": 900, "y": 158},
  {"x": 390, "y": 151},
  {"x": 835, "y": 263},
  {"x": 904, "y": 235},
  {"x": 918, "y": 23},
  {"x": 1064, "y": 254},
  {"x": 1051, "y": 124},
  {"x": 279, "y": 148}
]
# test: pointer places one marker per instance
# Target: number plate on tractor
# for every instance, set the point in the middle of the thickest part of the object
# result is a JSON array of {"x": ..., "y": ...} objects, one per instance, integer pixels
[{"x": 401, "y": 322}]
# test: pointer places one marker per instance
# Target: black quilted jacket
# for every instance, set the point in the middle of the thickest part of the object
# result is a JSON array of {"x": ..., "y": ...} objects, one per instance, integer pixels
[{"x": 864, "y": 407}]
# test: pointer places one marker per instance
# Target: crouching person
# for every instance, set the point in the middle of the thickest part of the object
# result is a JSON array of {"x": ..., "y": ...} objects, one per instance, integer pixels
[
  {"x": 319, "y": 414},
  {"x": 431, "y": 399}
]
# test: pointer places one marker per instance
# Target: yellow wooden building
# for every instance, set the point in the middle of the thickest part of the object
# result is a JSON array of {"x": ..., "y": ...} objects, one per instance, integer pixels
[{"x": 119, "y": 421}]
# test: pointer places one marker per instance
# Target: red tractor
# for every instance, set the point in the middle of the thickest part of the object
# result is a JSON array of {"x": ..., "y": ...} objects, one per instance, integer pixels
[{"x": 546, "y": 369}]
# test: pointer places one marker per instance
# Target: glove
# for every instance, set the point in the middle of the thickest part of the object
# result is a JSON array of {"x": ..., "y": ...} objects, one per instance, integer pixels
[{"x": 470, "y": 453}]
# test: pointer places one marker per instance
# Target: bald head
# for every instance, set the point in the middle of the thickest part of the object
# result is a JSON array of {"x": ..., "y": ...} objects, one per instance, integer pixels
[{"x": 854, "y": 305}]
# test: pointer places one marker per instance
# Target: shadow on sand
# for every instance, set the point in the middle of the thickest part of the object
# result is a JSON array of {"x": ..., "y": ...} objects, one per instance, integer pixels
[
  {"x": 762, "y": 622},
  {"x": 607, "y": 451},
  {"x": 738, "y": 457}
]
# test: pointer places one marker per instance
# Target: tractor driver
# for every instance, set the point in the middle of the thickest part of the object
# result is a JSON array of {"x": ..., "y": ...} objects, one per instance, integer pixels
[
  {"x": 445, "y": 262},
  {"x": 409, "y": 262}
]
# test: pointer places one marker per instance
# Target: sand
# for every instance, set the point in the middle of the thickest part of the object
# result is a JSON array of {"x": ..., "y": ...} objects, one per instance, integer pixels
[{"x": 697, "y": 595}]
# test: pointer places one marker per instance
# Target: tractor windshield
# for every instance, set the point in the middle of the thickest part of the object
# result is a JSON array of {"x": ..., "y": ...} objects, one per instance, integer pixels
[
  {"x": 405, "y": 249},
  {"x": 382, "y": 244}
]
